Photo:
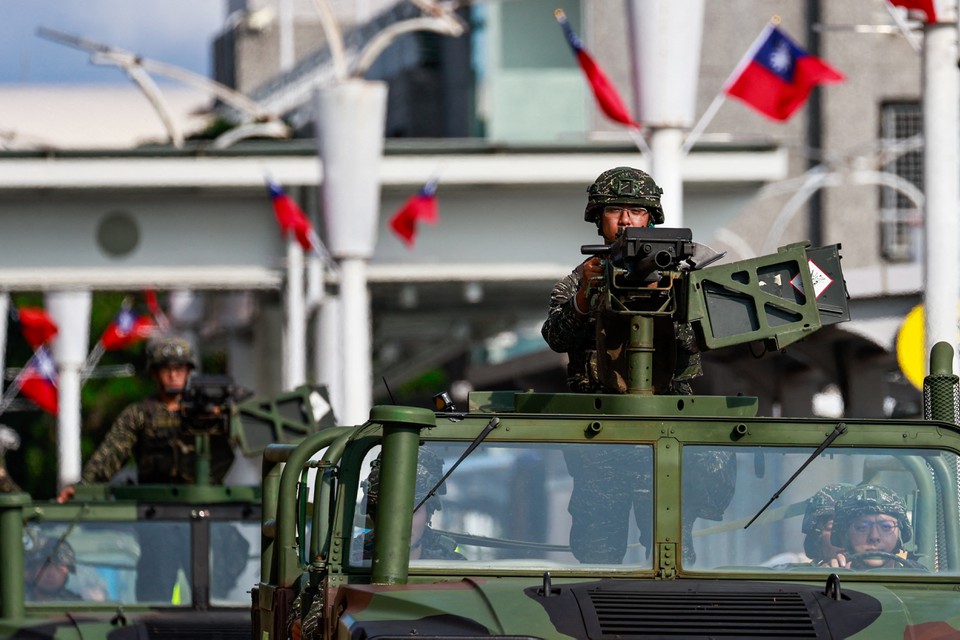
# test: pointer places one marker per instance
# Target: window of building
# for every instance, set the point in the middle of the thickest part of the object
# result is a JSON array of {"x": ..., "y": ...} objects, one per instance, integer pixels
[{"x": 901, "y": 218}]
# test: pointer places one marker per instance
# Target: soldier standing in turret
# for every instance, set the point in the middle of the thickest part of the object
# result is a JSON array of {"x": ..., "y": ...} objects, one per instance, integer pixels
[
  {"x": 619, "y": 198},
  {"x": 608, "y": 484},
  {"x": 151, "y": 430}
]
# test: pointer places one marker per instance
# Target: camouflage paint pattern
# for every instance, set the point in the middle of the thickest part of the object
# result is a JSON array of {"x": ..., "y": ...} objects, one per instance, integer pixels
[{"x": 153, "y": 435}]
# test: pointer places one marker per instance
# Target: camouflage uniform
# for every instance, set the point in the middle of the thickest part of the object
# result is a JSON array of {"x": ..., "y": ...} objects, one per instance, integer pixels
[
  {"x": 608, "y": 483},
  {"x": 432, "y": 545},
  {"x": 567, "y": 331},
  {"x": 153, "y": 435}
]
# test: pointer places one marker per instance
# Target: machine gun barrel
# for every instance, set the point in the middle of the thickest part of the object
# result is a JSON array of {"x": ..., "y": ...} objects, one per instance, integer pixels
[{"x": 640, "y": 252}]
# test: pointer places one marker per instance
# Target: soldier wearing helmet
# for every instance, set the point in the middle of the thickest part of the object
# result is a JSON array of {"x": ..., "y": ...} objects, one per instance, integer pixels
[
  {"x": 818, "y": 523},
  {"x": 870, "y": 524},
  {"x": 47, "y": 565},
  {"x": 151, "y": 431},
  {"x": 619, "y": 198},
  {"x": 603, "y": 495},
  {"x": 425, "y": 543}
]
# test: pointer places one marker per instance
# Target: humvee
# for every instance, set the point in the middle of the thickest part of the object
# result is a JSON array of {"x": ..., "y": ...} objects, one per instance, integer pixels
[
  {"x": 700, "y": 501},
  {"x": 148, "y": 561}
]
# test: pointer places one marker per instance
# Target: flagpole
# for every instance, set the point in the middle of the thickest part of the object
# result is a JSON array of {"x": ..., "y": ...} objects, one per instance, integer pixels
[
  {"x": 11, "y": 392},
  {"x": 705, "y": 119},
  {"x": 640, "y": 141},
  {"x": 904, "y": 28},
  {"x": 711, "y": 111}
]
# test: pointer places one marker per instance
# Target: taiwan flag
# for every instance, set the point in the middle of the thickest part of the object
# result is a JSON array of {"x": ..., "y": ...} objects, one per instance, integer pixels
[
  {"x": 777, "y": 75},
  {"x": 127, "y": 329},
  {"x": 36, "y": 325},
  {"x": 603, "y": 89},
  {"x": 420, "y": 207},
  {"x": 926, "y": 7},
  {"x": 291, "y": 217},
  {"x": 38, "y": 381}
]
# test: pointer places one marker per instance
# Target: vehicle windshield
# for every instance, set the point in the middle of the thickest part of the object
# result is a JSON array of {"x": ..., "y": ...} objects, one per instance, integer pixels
[
  {"x": 527, "y": 505},
  {"x": 863, "y": 509},
  {"x": 136, "y": 562},
  {"x": 568, "y": 505}
]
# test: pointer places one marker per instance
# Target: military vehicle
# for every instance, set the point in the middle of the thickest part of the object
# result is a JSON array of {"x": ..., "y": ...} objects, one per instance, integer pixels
[
  {"x": 629, "y": 515},
  {"x": 150, "y": 561}
]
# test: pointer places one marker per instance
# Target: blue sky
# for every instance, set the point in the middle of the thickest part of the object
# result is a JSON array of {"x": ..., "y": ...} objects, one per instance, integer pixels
[{"x": 178, "y": 32}]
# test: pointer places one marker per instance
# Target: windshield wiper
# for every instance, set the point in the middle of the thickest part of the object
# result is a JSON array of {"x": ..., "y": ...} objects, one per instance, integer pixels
[
  {"x": 837, "y": 432},
  {"x": 494, "y": 421}
]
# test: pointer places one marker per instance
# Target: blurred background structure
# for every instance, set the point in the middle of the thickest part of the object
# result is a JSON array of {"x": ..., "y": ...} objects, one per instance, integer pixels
[{"x": 503, "y": 118}]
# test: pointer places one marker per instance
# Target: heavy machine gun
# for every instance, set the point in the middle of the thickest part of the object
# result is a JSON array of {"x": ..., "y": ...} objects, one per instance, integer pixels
[{"x": 657, "y": 277}]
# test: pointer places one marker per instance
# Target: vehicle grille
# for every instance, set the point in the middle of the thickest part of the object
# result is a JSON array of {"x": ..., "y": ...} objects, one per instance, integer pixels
[
  {"x": 635, "y": 614},
  {"x": 197, "y": 628}
]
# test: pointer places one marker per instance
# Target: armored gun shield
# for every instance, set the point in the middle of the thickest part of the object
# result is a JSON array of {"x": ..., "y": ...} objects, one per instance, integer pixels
[
  {"x": 284, "y": 418},
  {"x": 778, "y": 299}
]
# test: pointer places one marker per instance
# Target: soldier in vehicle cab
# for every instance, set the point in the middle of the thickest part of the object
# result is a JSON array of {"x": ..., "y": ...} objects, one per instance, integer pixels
[
  {"x": 871, "y": 526},
  {"x": 425, "y": 543},
  {"x": 47, "y": 565},
  {"x": 817, "y": 524}
]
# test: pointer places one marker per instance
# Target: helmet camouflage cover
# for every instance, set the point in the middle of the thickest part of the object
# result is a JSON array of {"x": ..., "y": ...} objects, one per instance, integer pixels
[
  {"x": 41, "y": 550},
  {"x": 170, "y": 350},
  {"x": 624, "y": 186},
  {"x": 429, "y": 472},
  {"x": 868, "y": 500},
  {"x": 821, "y": 505}
]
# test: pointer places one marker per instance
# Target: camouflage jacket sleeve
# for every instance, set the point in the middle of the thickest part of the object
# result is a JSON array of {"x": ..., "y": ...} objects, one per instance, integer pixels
[
  {"x": 117, "y": 447},
  {"x": 564, "y": 327}
]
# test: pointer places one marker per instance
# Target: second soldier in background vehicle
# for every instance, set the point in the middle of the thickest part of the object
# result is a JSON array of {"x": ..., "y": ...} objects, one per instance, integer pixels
[{"x": 152, "y": 432}]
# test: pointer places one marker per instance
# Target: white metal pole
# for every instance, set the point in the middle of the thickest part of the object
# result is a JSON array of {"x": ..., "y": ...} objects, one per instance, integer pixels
[
  {"x": 665, "y": 38},
  {"x": 4, "y": 314},
  {"x": 71, "y": 311},
  {"x": 941, "y": 124},
  {"x": 667, "y": 170},
  {"x": 357, "y": 375},
  {"x": 286, "y": 23},
  {"x": 295, "y": 327},
  {"x": 351, "y": 120}
]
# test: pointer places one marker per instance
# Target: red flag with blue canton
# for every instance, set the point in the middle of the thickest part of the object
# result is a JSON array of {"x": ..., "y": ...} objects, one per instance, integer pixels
[
  {"x": 36, "y": 325},
  {"x": 777, "y": 75},
  {"x": 38, "y": 381},
  {"x": 603, "y": 89},
  {"x": 291, "y": 217},
  {"x": 927, "y": 7},
  {"x": 420, "y": 207},
  {"x": 127, "y": 328}
]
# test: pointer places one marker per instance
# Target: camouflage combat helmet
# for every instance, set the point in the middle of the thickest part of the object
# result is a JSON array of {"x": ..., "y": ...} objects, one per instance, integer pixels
[
  {"x": 170, "y": 350},
  {"x": 821, "y": 504},
  {"x": 429, "y": 472},
  {"x": 868, "y": 500},
  {"x": 41, "y": 550},
  {"x": 623, "y": 186}
]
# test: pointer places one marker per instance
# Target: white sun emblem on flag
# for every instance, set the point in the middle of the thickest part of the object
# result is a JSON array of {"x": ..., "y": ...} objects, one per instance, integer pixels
[{"x": 780, "y": 58}]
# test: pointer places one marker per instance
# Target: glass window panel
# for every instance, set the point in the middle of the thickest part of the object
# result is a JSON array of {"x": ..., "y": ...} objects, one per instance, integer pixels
[{"x": 563, "y": 505}]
